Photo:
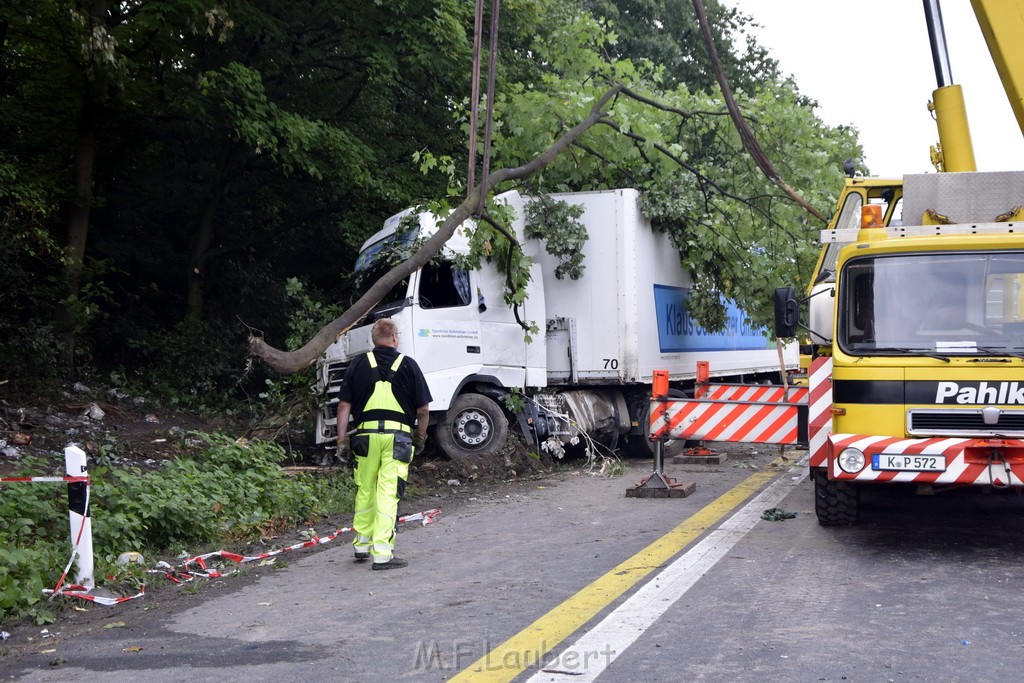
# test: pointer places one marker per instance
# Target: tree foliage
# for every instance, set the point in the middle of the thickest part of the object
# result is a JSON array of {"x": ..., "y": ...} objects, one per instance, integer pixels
[
  {"x": 238, "y": 146},
  {"x": 736, "y": 233},
  {"x": 665, "y": 32},
  {"x": 557, "y": 224}
]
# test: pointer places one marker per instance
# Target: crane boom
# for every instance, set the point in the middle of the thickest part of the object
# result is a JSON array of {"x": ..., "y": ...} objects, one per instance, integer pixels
[{"x": 1002, "y": 24}]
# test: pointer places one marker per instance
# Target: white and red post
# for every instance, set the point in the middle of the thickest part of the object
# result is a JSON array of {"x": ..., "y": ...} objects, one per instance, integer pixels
[{"x": 78, "y": 516}]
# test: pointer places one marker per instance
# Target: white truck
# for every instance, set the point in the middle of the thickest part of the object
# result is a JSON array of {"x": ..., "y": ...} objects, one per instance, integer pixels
[{"x": 601, "y": 336}]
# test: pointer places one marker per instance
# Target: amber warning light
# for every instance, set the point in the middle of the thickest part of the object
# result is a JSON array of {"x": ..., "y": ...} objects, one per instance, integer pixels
[
  {"x": 871, "y": 216},
  {"x": 659, "y": 387}
]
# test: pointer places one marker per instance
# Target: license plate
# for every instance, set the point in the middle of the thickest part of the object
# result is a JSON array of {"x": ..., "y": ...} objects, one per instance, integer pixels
[{"x": 908, "y": 463}]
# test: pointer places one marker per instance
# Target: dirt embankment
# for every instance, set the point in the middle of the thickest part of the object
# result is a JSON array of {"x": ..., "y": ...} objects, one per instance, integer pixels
[
  {"x": 117, "y": 430},
  {"x": 114, "y": 429}
]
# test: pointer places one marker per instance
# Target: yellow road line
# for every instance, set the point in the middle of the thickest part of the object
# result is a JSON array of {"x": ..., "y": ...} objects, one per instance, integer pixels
[{"x": 523, "y": 650}]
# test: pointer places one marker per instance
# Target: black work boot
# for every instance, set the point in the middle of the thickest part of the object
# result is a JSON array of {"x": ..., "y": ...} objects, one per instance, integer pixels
[{"x": 393, "y": 563}]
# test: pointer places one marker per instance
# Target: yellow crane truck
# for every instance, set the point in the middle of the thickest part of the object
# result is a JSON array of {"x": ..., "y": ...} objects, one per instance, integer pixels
[{"x": 916, "y": 311}]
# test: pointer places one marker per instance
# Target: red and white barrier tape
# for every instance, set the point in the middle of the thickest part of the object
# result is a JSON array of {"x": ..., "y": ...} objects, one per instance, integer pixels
[
  {"x": 69, "y": 480},
  {"x": 81, "y": 592},
  {"x": 204, "y": 571},
  {"x": 71, "y": 560},
  {"x": 427, "y": 516},
  {"x": 84, "y": 592},
  {"x": 74, "y": 590}
]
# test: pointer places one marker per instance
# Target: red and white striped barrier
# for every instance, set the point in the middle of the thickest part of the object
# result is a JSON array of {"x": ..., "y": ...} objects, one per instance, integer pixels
[
  {"x": 757, "y": 393},
  {"x": 751, "y": 413},
  {"x": 735, "y": 421},
  {"x": 966, "y": 461}
]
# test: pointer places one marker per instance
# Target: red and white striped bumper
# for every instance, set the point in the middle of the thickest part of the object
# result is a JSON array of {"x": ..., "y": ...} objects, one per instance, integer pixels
[{"x": 996, "y": 462}]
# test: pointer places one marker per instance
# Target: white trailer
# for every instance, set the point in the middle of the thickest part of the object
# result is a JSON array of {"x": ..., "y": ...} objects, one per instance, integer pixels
[{"x": 601, "y": 338}]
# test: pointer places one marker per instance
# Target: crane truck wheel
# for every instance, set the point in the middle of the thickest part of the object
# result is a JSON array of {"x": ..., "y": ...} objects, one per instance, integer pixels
[
  {"x": 474, "y": 426},
  {"x": 837, "y": 503}
]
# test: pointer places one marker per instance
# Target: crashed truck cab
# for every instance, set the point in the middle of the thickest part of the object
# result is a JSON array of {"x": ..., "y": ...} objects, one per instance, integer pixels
[{"x": 453, "y": 321}]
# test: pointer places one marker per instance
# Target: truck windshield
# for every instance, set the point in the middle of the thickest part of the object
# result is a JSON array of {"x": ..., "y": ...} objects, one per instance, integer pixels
[
  {"x": 948, "y": 303},
  {"x": 374, "y": 261},
  {"x": 395, "y": 299}
]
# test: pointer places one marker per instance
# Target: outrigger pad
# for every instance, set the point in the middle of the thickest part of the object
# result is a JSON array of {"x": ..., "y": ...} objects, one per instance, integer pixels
[
  {"x": 708, "y": 458},
  {"x": 659, "y": 486}
]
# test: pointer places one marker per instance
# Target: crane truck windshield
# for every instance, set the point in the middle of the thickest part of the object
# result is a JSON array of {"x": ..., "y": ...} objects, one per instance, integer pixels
[{"x": 930, "y": 303}]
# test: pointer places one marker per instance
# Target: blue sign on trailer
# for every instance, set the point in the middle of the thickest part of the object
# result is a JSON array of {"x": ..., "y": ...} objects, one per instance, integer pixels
[{"x": 677, "y": 331}]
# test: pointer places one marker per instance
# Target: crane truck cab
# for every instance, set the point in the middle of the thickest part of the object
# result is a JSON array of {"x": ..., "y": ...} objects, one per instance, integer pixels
[
  {"x": 923, "y": 380},
  {"x": 856, "y": 193},
  {"x": 916, "y": 311}
]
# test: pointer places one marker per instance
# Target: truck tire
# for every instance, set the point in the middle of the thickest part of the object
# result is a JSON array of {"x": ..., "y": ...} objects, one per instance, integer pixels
[
  {"x": 474, "y": 426},
  {"x": 837, "y": 503},
  {"x": 640, "y": 445}
]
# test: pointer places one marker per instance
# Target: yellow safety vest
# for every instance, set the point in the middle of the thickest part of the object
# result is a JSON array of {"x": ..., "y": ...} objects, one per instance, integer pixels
[{"x": 383, "y": 412}]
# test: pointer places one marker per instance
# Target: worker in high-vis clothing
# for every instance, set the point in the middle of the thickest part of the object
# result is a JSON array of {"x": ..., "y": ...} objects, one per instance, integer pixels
[{"x": 386, "y": 395}]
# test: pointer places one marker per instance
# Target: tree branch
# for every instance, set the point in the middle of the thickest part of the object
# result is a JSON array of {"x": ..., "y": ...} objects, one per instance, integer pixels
[
  {"x": 665, "y": 107},
  {"x": 289, "y": 362},
  {"x": 746, "y": 134}
]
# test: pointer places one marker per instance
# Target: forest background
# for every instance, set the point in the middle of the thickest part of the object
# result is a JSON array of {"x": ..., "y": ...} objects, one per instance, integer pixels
[{"x": 177, "y": 175}]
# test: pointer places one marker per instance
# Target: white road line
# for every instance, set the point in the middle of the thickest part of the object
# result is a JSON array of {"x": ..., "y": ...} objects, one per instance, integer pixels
[{"x": 588, "y": 657}]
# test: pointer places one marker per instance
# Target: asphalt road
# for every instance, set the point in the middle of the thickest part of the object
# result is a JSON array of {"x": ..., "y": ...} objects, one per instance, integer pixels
[{"x": 566, "y": 579}]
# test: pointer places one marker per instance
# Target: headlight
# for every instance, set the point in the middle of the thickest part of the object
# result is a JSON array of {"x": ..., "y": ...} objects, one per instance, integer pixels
[{"x": 851, "y": 460}]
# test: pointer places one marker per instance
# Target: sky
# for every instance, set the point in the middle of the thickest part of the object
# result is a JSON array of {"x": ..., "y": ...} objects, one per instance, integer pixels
[{"x": 869, "y": 65}]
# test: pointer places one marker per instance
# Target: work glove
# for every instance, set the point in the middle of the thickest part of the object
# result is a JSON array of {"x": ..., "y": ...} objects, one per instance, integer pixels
[
  {"x": 418, "y": 442},
  {"x": 344, "y": 451}
]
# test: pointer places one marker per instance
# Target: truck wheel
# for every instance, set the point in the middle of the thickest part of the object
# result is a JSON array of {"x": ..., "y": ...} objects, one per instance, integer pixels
[
  {"x": 640, "y": 445},
  {"x": 474, "y": 427},
  {"x": 837, "y": 503}
]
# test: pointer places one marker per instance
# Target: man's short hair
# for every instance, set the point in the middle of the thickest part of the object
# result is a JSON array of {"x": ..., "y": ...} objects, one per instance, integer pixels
[{"x": 383, "y": 330}]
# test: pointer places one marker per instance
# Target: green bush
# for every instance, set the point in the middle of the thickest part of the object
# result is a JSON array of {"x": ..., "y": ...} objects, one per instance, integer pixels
[
  {"x": 234, "y": 492},
  {"x": 34, "y": 543},
  {"x": 193, "y": 365}
]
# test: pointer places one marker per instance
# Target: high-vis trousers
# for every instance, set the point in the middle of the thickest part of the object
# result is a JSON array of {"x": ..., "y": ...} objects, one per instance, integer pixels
[{"x": 380, "y": 476}]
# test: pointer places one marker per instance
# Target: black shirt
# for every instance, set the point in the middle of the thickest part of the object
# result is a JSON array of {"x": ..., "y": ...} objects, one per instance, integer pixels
[{"x": 408, "y": 383}]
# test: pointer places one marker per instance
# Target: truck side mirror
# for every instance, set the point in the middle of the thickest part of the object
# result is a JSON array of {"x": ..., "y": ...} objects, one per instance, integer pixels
[
  {"x": 787, "y": 312},
  {"x": 825, "y": 275}
]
